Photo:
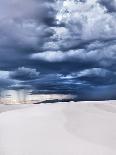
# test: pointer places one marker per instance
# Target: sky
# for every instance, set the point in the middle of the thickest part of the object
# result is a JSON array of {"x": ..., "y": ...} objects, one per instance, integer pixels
[{"x": 59, "y": 47}]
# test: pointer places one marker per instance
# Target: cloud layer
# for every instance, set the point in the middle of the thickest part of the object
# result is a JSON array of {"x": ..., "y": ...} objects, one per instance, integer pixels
[{"x": 59, "y": 46}]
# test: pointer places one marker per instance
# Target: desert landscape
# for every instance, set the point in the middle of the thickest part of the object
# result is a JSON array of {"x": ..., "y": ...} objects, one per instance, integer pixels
[
  {"x": 74, "y": 128},
  {"x": 57, "y": 77}
]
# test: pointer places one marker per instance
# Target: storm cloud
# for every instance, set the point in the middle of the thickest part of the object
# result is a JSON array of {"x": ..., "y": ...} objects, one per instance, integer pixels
[
  {"x": 59, "y": 46},
  {"x": 24, "y": 74}
]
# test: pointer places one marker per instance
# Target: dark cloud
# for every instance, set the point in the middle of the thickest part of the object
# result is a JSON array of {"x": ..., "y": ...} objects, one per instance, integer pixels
[
  {"x": 109, "y": 4},
  {"x": 66, "y": 47},
  {"x": 98, "y": 76},
  {"x": 24, "y": 74},
  {"x": 5, "y": 83}
]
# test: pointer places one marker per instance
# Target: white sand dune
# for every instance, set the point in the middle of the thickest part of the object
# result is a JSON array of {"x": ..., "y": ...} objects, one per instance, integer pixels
[
  {"x": 83, "y": 128},
  {"x": 8, "y": 107}
]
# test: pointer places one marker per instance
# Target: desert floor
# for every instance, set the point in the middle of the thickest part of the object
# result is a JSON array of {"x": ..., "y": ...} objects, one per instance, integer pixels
[{"x": 82, "y": 128}]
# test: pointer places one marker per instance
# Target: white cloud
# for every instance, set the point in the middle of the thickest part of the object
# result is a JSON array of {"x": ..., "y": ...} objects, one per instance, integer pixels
[
  {"x": 95, "y": 72},
  {"x": 100, "y": 54},
  {"x": 83, "y": 22},
  {"x": 4, "y": 74},
  {"x": 58, "y": 56}
]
